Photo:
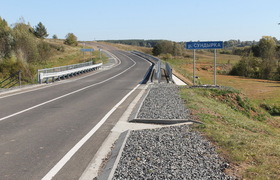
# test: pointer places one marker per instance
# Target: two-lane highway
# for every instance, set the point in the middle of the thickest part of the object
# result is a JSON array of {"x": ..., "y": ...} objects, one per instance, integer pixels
[{"x": 55, "y": 131}]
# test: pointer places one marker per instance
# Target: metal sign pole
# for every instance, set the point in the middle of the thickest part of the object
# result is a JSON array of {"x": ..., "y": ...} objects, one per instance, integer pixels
[
  {"x": 194, "y": 67},
  {"x": 205, "y": 45},
  {"x": 215, "y": 69}
]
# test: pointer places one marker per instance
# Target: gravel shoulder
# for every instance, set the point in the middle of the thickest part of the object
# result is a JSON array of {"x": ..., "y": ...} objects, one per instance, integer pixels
[
  {"x": 175, "y": 152},
  {"x": 169, "y": 152}
]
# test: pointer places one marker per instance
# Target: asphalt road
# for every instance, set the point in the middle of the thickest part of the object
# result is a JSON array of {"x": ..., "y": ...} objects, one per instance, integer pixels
[{"x": 39, "y": 127}]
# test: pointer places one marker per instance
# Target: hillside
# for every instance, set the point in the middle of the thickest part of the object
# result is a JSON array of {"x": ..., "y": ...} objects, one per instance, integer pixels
[
  {"x": 246, "y": 136},
  {"x": 58, "y": 54}
]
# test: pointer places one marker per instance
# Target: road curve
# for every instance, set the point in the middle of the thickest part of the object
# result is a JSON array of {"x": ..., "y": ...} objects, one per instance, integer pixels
[{"x": 39, "y": 127}]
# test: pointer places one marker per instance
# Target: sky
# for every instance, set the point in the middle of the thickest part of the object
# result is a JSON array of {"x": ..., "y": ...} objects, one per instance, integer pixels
[{"x": 176, "y": 20}]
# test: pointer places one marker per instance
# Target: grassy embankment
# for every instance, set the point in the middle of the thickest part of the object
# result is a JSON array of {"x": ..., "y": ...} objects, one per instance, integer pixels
[
  {"x": 246, "y": 135},
  {"x": 70, "y": 55},
  {"x": 63, "y": 55}
]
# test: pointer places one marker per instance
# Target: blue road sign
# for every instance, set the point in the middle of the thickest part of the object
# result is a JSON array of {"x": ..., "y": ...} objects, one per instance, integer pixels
[
  {"x": 205, "y": 45},
  {"x": 87, "y": 50}
]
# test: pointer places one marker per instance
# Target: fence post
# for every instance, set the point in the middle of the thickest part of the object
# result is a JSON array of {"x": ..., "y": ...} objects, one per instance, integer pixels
[
  {"x": 38, "y": 77},
  {"x": 19, "y": 78}
]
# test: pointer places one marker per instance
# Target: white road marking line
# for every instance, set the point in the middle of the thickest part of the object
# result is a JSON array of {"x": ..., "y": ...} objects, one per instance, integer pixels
[
  {"x": 67, "y": 157},
  {"x": 65, "y": 95},
  {"x": 70, "y": 153},
  {"x": 62, "y": 82}
]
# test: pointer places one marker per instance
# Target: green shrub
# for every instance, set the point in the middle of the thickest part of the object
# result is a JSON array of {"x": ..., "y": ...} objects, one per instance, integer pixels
[
  {"x": 271, "y": 109},
  {"x": 71, "y": 40}
]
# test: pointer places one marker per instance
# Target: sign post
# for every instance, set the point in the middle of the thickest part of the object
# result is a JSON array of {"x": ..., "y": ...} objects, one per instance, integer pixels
[
  {"x": 87, "y": 50},
  {"x": 194, "y": 67},
  {"x": 205, "y": 45}
]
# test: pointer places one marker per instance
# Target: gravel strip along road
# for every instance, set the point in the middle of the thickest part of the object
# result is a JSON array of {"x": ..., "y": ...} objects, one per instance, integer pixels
[
  {"x": 163, "y": 102},
  {"x": 174, "y": 152}
]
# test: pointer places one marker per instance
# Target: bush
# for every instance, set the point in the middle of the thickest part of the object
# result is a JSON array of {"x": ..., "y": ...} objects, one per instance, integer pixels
[
  {"x": 6, "y": 39},
  {"x": 271, "y": 109},
  {"x": 71, "y": 40},
  {"x": 13, "y": 65},
  {"x": 44, "y": 50},
  {"x": 26, "y": 43},
  {"x": 166, "y": 56}
]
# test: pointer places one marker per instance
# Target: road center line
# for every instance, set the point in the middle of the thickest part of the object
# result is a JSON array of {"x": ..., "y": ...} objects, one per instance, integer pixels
[
  {"x": 65, "y": 81},
  {"x": 70, "y": 153},
  {"x": 68, "y": 94}
]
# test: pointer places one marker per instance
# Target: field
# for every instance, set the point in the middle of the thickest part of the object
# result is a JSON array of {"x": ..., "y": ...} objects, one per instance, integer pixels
[
  {"x": 246, "y": 135},
  {"x": 259, "y": 91}
]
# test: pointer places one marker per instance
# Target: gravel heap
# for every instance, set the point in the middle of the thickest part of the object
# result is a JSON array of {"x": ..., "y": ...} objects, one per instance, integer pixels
[
  {"x": 174, "y": 152},
  {"x": 163, "y": 102}
]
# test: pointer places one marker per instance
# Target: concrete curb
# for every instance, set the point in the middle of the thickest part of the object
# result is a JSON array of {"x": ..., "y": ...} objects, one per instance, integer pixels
[
  {"x": 111, "y": 165},
  {"x": 164, "y": 121}
]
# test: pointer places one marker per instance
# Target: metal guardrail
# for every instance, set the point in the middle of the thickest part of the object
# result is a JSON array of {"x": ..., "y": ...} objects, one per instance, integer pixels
[
  {"x": 158, "y": 71},
  {"x": 65, "y": 71},
  {"x": 156, "y": 62},
  {"x": 168, "y": 70},
  {"x": 158, "y": 65},
  {"x": 11, "y": 81}
]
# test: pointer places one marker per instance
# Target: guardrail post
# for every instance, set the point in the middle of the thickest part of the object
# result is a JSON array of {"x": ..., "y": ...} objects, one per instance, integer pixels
[{"x": 19, "y": 78}]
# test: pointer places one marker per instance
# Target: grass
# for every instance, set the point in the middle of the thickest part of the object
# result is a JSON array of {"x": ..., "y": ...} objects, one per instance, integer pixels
[
  {"x": 71, "y": 55},
  {"x": 259, "y": 91},
  {"x": 66, "y": 55},
  {"x": 246, "y": 135},
  {"x": 129, "y": 47},
  {"x": 251, "y": 143}
]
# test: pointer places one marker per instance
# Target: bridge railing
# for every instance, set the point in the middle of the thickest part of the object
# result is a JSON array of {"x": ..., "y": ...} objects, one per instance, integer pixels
[
  {"x": 158, "y": 65},
  {"x": 65, "y": 71}
]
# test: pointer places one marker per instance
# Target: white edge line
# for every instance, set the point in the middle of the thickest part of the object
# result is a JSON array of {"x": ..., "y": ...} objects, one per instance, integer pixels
[
  {"x": 67, "y": 157},
  {"x": 70, "y": 153},
  {"x": 49, "y": 101},
  {"x": 61, "y": 82}
]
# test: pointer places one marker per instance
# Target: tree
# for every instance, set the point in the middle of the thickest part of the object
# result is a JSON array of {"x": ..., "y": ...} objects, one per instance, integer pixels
[
  {"x": 157, "y": 50},
  {"x": 6, "y": 39},
  {"x": 71, "y": 40},
  {"x": 164, "y": 47},
  {"x": 55, "y": 36},
  {"x": 248, "y": 66},
  {"x": 26, "y": 43},
  {"x": 267, "y": 49},
  {"x": 177, "y": 49},
  {"x": 40, "y": 31}
]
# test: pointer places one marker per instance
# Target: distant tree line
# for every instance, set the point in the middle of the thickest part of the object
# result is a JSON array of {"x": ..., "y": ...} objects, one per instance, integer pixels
[
  {"x": 135, "y": 42},
  {"x": 261, "y": 60},
  {"x": 22, "y": 46},
  {"x": 237, "y": 43}
]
